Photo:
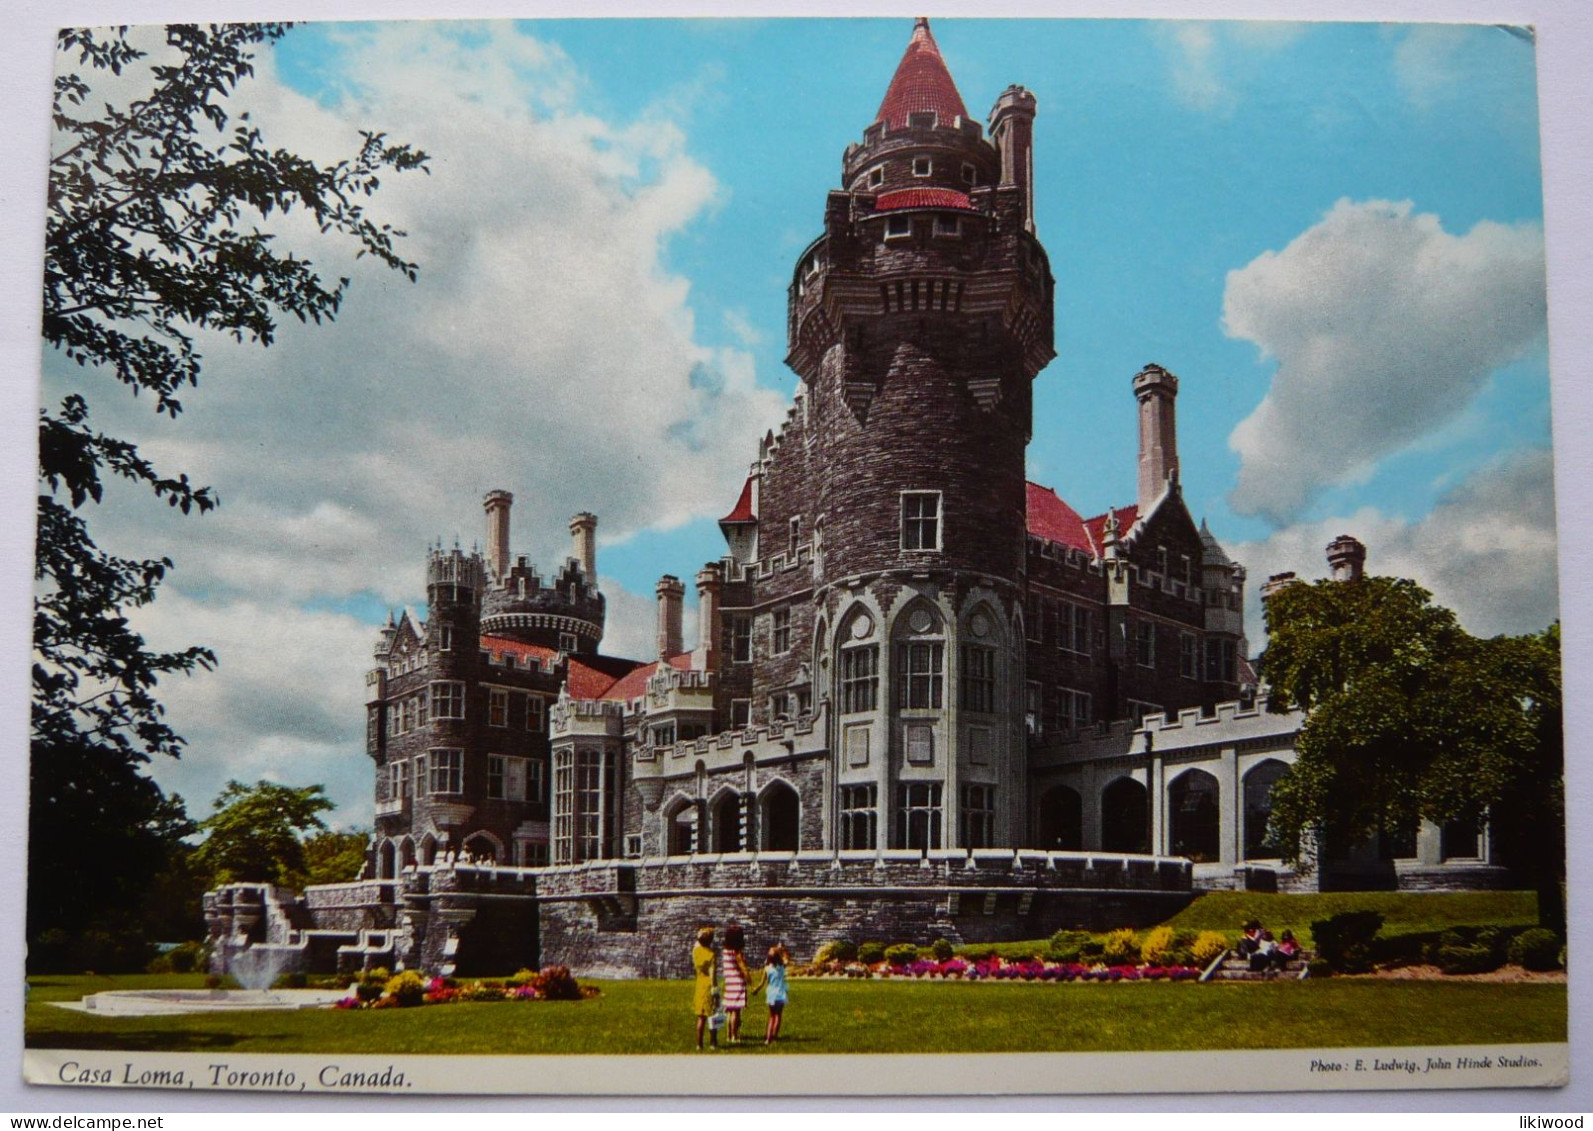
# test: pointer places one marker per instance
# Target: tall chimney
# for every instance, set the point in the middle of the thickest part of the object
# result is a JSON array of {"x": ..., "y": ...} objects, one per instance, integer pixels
[
  {"x": 1012, "y": 131},
  {"x": 1277, "y": 583},
  {"x": 583, "y": 535},
  {"x": 670, "y": 592},
  {"x": 497, "y": 504},
  {"x": 706, "y": 656},
  {"x": 1346, "y": 557},
  {"x": 1156, "y": 389}
]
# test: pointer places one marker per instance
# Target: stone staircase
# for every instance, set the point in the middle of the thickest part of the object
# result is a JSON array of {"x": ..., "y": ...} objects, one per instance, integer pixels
[{"x": 1231, "y": 966}]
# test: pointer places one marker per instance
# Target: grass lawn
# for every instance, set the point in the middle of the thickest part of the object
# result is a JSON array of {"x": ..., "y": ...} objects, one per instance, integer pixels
[{"x": 852, "y": 1016}]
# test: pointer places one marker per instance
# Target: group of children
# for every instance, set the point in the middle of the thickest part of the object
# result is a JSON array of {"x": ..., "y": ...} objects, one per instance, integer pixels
[
  {"x": 712, "y": 1014},
  {"x": 1267, "y": 955}
]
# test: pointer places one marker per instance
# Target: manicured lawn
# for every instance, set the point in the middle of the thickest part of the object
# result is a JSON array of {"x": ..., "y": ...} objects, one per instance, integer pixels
[{"x": 848, "y": 1016}]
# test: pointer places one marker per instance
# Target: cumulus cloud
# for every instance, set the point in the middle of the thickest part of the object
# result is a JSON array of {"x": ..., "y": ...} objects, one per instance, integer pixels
[
  {"x": 1384, "y": 327},
  {"x": 1487, "y": 550}
]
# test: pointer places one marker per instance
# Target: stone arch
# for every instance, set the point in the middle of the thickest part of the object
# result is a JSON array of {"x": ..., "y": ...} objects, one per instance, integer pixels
[
  {"x": 386, "y": 860},
  {"x": 779, "y": 817},
  {"x": 681, "y": 816},
  {"x": 917, "y": 658},
  {"x": 1194, "y": 816},
  {"x": 481, "y": 844},
  {"x": 1061, "y": 819},
  {"x": 406, "y": 853},
  {"x": 982, "y": 603},
  {"x": 724, "y": 820},
  {"x": 427, "y": 850},
  {"x": 1258, "y": 786},
  {"x": 1125, "y": 817}
]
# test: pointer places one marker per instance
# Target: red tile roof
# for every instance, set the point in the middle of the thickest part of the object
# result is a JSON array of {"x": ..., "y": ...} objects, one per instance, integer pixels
[
  {"x": 742, "y": 511},
  {"x": 921, "y": 83},
  {"x": 631, "y": 686},
  {"x": 506, "y": 647},
  {"x": 1052, "y": 519},
  {"x": 922, "y": 198},
  {"x": 587, "y": 682}
]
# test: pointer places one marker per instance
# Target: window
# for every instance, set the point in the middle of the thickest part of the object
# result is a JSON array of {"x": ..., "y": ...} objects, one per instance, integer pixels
[
  {"x": 1075, "y": 709},
  {"x": 921, "y": 120},
  {"x": 1161, "y": 560},
  {"x": 563, "y": 806},
  {"x": 948, "y": 225},
  {"x": 795, "y": 537},
  {"x": 535, "y": 780},
  {"x": 1186, "y": 569},
  {"x": 398, "y": 780},
  {"x": 1222, "y": 661},
  {"x": 664, "y": 734},
  {"x": 407, "y": 718},
  {"x": 533, "y": 854},
  {"x": 567, "y": 642},
  {"x": 876, "y": 176},
  {"x": 536, "y": 719},
  {"x": 918, "y": 668},
  {"x": 780, "y": 632},
  {"x": 918, "y": 815},
  {"x": 859, "y": 816},
  {"x": 978, "y": 678},
  {"x": 1073, "y": 627},
  {"x": 779, "y": 706},
  {"x": 393, "y": 719},
  {"x": 1033, "y": 698},
  {"x": 447, "y": 700},
  {"x": 859, "y": 679},
  {"x": 978, "y": 816},
  {"x": 898, "y": 226},
  {"x": 447, "y": 771},
  {"x": 505, "y": 778},
  {"x": 740, "y": 713},
  {"x": 741, "y": 639},
  {"x": 497, "y": 707},
  {"x": 922, "y": 166},
  {"x": 1145, "y": 644},
  {"x": 422, "y": 709},
  {"x": 1034, "y": 624},
  {"x": 1188, "y": 655},
  {"x": 445, "y": 638},
  {"x": 970, "y": 175},
  {"x": 920, "y": 520},
  {"x": 420, "y": 775}
]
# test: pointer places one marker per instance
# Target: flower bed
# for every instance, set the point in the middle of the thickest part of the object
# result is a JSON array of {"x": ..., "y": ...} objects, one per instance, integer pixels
[
  {"x": 407, "y": 989},
  {"x": 997, "y": 969}
]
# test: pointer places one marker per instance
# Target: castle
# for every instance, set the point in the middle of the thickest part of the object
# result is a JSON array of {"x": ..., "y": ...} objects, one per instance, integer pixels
[{"x": 927, "y": 696}]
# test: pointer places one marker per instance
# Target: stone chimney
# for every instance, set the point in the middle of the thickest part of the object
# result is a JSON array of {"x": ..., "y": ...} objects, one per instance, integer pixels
[
  {"x": 706, "y": 656},
  {"x": 1346, "y": 557},
  {"x": 1277, "y": 582},
  {"x": 497, "y": 504},
  {"x": 1012, "y": 132},
  {"x": 1156, "y": 389},
  {"x": 583, "y": 548},
  {"x": 670, "y": 594}
]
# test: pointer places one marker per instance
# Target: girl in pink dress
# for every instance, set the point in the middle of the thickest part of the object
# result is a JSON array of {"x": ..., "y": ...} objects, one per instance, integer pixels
[{"x": 736, "y": 979}]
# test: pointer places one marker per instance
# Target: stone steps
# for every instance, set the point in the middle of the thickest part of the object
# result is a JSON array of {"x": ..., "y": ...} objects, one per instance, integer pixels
[{"x": 1231, "y": 967}]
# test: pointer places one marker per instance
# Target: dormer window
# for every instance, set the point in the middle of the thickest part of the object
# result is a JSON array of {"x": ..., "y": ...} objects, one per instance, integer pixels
[
  {"x": 922, "y": 120},
  {"x": 922, "y": 166},
  {"x": 898, "y": 227},
  {"x": 876, "y": 176},
  {"x": 970, "y": 175},
  {"x": 567, "y": 642},
  {"x": 948, "y": 225}
]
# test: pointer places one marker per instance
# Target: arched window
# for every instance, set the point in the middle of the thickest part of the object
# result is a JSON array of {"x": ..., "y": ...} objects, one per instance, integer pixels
[
  {"x": 725, "y": 816},
  {"x": 428, "y": 849},
  {"x": 1258, "y": 807},
  {"x": 1062, "y": 820},
  {"x": 1124, "y": 821},
  {"x": 386, "y": 861},
  {"x": 1193, "y": 816},
  {"x": 479, "y": 846},
  {"x": 680, "y": 828},
  {"x": 780, "y": 817}
]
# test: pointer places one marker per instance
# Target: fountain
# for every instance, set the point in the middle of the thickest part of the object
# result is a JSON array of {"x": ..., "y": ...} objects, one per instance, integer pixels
[{"x": 255, "y": 968}]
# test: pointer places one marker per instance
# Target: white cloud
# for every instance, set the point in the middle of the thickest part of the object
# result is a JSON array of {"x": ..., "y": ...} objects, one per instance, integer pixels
[
  {"x": 1487, "y": 550},
  {"x": 1204, "y": 57},
  {"x": 1384, "y": 327},
  {"x": 1425, "y": 61}
]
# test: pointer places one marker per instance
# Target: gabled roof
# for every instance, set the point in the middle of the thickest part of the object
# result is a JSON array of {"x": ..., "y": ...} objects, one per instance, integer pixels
[
  {"x": 921, "y": 83},
  {"x": 742, "y": 511},
  {"x": 922, "y": 198},
  {"x": 1126, "y": 518},
  {"x": 586, "y": 682},
  {"x": 1052, "y": 519}
]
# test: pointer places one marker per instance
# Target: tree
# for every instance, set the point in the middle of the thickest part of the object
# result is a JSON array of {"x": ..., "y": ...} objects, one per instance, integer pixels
[
  {"x": 152, "y": 235},
  {"x": 254, "y": 836},
  {"x": 334, "y": 857},
  {"x": 1409, "y": 717}
]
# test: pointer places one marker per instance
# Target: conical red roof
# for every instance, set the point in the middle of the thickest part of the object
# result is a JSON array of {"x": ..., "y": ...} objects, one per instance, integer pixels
[{"x": 921, "y": 83}]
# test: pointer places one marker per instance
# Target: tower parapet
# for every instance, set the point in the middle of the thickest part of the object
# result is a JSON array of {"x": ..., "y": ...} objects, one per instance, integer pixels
[{"x": 1346, "y": 557}]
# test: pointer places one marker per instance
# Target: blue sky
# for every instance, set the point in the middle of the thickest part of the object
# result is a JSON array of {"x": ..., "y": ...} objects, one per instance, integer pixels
[{"x": 1331, "y": 233}]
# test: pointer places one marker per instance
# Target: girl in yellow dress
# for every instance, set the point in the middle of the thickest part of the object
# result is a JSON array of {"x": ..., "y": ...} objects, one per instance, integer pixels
[{"x": 703, "y": 962}]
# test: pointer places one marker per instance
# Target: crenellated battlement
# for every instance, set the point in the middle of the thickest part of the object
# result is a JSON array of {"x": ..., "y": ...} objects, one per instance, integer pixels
[{"x": 455, "y": 567}]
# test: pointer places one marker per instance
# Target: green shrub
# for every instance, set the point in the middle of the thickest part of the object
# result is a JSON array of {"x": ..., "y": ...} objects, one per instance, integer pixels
[
  {"x": 1346, "y": 939},
  {"x": 1319, "y": 968},
  {"x": 1157, "y": 946},
  {"x": 378, "y": 974},
  {"x": 870, "y": 953},
  {"x": 900, "y": 954},
  {"x": 1536, "y": 949},
  {"x": 483, "y": 991},
  {"x": 407, "y": 988},
  {"x": 1092, "y": 951},
  {"x": 521, "y": 977},
  {"x": 556, "y": 983},
  {"x": 1207, "y": 946},
  {"x": 1121, "y": 948},
  {"x": 367, "y": 990},
  {"x": 837, "y": 950},
  {"x": 188, "y": 957},
  {"x": 1066, "y": 945},
  {"x": 1466, "y": 960},
  {"x": 213, "y": 981},
  {"x": 941, "y": 949},
  {"x": 160, "y": 964},
  {"x": 292, "y": 980}
]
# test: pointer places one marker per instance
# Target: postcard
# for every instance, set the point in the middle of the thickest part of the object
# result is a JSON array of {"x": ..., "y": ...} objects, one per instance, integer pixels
[{"x": 708, "y": 556}]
